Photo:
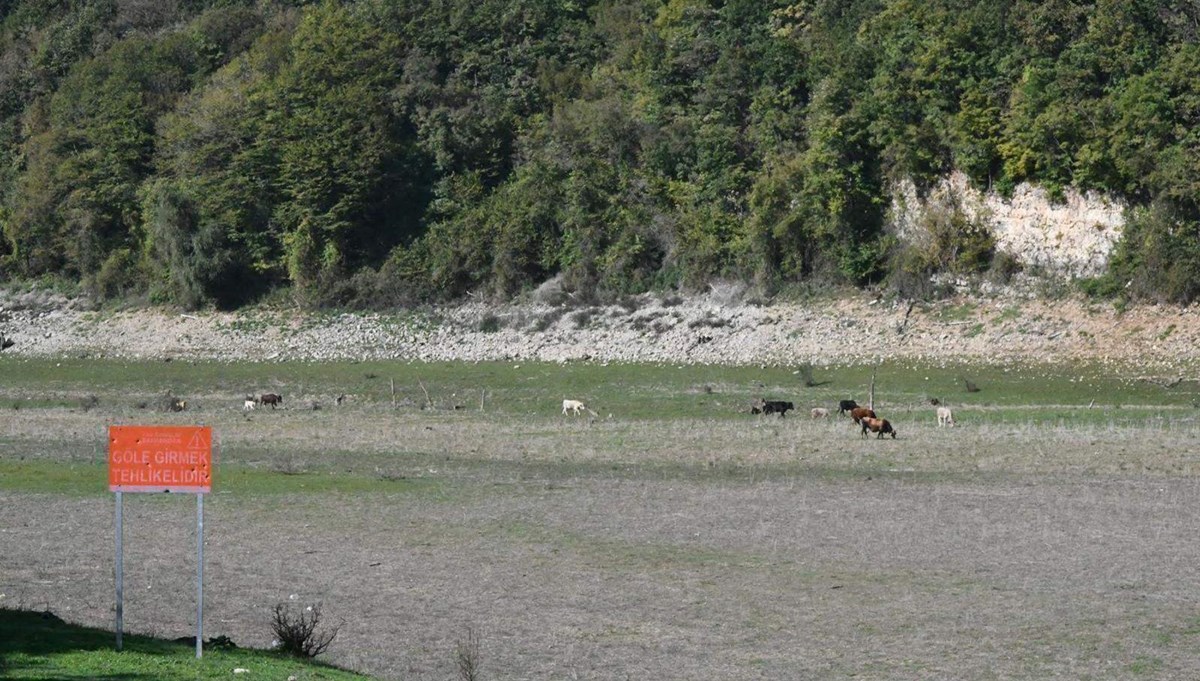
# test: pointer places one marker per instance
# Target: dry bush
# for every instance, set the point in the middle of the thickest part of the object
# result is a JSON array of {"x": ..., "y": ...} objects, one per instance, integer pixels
[
  {"x": 297, "y": 631},
  {"x": 467, "y": 656},
  {"x": 548, "y": 319},
  {"x": 582, "y": 318},
  {"x": 550, "y": 292},
  {"x": 489, "y": 323},
  {"x": 630, "y": 303},
  {"x": 289, "y": 465},
  {"x": 728, "y": 293},
  {"x": 806, "y": 374},
  {"x": 709, "y": 320}
]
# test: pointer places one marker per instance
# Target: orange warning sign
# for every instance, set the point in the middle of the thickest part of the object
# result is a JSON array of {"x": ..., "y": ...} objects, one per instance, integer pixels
[{"x": 160, "y": 459}]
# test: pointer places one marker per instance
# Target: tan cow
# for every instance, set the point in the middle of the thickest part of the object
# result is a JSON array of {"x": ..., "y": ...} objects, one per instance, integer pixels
[{"x": 945, "y": 417}]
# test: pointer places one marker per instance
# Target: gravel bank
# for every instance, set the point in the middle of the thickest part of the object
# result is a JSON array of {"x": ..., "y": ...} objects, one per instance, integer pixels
[{"x": 704, "y": 329}]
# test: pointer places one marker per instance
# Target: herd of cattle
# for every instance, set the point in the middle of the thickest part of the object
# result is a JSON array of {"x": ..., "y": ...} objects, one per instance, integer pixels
[
  {"x": 865, "y": 417},
  {"x": 265, "y": 399}
]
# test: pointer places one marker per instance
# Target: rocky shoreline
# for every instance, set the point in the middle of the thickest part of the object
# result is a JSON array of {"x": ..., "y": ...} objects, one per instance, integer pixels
[{"x": 701, "y": 330}]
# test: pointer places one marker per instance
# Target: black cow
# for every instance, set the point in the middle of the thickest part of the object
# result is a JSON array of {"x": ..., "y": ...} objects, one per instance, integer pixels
[
  {"x": 845, "y": 406},
  {"x": 271, "y": 399},
  {"x": 776, "y": 407}
]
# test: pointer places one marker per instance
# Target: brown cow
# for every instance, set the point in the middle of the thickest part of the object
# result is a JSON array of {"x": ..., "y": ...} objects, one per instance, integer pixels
[
  {"x": 879, "y": 426},
  {"x": 271, "y": 399},
  {"x": 859, "y": 413}
]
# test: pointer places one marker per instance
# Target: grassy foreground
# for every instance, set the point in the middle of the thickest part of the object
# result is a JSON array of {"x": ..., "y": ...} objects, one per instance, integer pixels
[{"x": 41, "y": 646}]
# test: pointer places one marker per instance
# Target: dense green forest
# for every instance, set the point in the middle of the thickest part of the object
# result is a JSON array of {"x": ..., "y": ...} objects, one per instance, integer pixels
[{"x": 391, "y": 152}]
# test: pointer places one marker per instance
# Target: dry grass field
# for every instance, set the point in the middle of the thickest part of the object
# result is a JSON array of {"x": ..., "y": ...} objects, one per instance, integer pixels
[{"x": 1032, "y": 541}]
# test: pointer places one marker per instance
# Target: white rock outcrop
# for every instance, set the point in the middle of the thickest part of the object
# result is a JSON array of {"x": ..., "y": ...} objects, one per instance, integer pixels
[{"x": 1072, "y": 237}]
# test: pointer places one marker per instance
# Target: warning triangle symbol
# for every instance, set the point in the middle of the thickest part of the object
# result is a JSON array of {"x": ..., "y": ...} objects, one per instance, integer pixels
[{"x": 198, "y": 440}]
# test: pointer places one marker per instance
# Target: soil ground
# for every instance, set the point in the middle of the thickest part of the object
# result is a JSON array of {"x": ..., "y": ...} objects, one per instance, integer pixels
[{"x": 677, "y": 549}]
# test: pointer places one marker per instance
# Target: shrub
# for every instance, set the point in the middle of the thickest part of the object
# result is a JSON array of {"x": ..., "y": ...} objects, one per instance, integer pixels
[
  {"x": 1159, "y": 254},
  {"x": 582, "y": 318},
  {"x": 1102, "y": 287},
  {"x": 806, "y": 374},
  {"x": 297, "y": 631},
  {"x": 466, "y": 656},
  {"x": 629, "y": 303},
  {"x": 550, "y": 292},
  {"x": 548, "y": 319},
  {"x": 709, "y": 321},
  {"x": 490, "y": 323},
  {"x": 946, "y": 238},
  {"x": 119, "y": 275},
  {"x": 728, "y": 293}
]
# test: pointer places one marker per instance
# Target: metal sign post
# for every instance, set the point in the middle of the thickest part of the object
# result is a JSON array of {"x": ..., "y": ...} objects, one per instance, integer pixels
[
  {"x": 161, "y": 459},
  {"x": 120, "y": 575},
  {"x": 199, "y": 575}
]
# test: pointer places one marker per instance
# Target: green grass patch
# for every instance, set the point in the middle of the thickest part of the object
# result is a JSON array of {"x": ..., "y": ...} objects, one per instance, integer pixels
[
  {"x": 41, "y": 646},
  {"x": 43, "y": 476},
  {"x": 1008, "y": 314},
  {"x": 957, "y": 313},
  {"x": 644, "y": 391}
]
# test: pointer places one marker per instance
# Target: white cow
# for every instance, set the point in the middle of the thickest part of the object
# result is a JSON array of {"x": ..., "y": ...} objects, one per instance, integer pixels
[
  {"x": 249, "y": 404},
  {"x": 945, "y": 417},
  {"x": 573, "y": 406},
  {"x": 820, "y": 412}
]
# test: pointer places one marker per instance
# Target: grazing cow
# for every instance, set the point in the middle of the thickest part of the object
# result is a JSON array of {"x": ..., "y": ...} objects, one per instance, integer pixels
[
  {"x": 777, "y": 407},
  {"x": 271, "y": 399},
  {"x": 573, "y": 406},
  {"x": 248, "y": 404},
  {"x": 845, "y": 406},
  {"x": 945, "y": 417},
  {"x": 819, "y": 412},
  {"x": 859, "y": 413},
  {"x": 879, "y": 426}
]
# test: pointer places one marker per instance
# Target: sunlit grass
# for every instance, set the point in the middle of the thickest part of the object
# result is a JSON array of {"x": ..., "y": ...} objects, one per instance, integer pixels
[{"x": 37, "y": 645}]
